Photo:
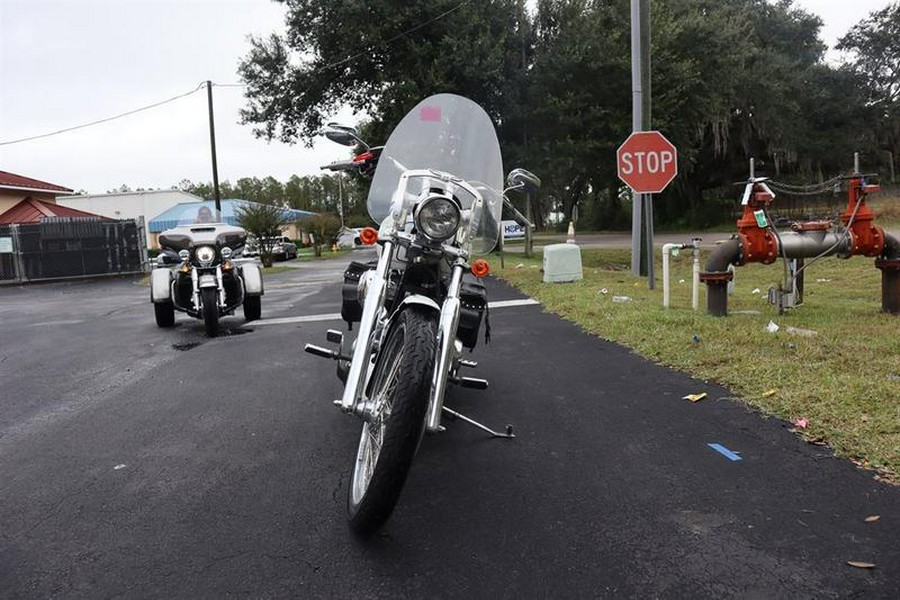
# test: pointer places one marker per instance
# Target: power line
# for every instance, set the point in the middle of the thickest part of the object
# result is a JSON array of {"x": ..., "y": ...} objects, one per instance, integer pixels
[
  {"x": 172, "y": 99},
  {"x": 106, "y": 120}
]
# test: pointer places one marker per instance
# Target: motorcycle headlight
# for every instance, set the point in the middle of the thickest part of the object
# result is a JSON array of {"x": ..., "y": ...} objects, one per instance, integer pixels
[
  {"x": 437, "y": 218},
  {"x": 184, "y": 254},
  {"x": 226, "y": 252},
  {"x": 205, "y": 254}
]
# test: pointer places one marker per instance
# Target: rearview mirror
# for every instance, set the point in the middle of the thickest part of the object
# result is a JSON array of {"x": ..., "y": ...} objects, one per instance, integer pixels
[
  {"x": 343, "y": 135},
  {"x": 524, "y": 181}
]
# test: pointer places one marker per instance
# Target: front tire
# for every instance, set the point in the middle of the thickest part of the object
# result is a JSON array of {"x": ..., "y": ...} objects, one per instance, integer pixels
[
  {"x": 209, "y": 297},
  {"x": 389, "y": 440},
  {"x": 165, "y": 314},
  {"x": 252, "y": 308}
]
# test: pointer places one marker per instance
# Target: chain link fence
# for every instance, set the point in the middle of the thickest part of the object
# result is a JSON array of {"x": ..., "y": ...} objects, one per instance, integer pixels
[{"x": 64, "y": 247}]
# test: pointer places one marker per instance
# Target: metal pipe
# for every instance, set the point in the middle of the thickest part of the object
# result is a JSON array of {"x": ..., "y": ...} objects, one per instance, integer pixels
[
  {"x": 726, "y": 253},
  {"x": 889, "y": 265},
  {"x": 891, "y": 249},
  {"x": 810, "y": 244},
  {"x": 717, "y": 275},
  {"x": 695, "y": 275}
]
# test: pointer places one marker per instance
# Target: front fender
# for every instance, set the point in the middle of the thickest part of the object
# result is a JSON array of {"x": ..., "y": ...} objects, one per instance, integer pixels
[
  {"x": 419, "y": 300},
  {"x": 160, "y": 285},
  {"x": 253, "y": 283}
]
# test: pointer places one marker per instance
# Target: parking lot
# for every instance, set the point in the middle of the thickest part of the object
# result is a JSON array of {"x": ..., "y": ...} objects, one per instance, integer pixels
[{"x": 145, "y": 462}]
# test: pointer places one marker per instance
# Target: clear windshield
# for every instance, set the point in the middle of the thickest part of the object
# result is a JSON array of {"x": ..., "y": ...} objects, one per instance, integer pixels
[{"x": 450, "y": 134}]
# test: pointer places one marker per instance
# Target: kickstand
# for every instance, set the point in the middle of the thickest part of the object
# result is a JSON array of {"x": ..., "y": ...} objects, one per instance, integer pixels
[{"x": 509, "y": 428}]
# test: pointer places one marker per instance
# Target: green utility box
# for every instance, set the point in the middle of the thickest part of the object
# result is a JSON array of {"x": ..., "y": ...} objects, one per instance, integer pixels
[{"x": 562, "y": 263}]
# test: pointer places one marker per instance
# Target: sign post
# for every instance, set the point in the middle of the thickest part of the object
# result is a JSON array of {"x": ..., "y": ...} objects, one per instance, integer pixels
[{"x": 647, "y": 162}]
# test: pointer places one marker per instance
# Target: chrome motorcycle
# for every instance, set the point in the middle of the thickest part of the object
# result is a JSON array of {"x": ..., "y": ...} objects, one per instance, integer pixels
[
  {"x": 437, "y": 192},
  {"x": 206, "y": 282}
]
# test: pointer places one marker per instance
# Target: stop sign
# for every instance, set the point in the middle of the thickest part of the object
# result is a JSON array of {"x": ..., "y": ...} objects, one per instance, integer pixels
[{"x": 647, "y": 162}]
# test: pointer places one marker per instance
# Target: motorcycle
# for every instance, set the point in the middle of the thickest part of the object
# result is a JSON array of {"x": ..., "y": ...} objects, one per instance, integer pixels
[
  {"x": 437, "y": 194},
  {"x": 206, "y": 283}
]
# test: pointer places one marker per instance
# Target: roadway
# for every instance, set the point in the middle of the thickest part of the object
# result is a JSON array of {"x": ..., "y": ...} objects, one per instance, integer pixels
[{"x": 139, "y": 462}]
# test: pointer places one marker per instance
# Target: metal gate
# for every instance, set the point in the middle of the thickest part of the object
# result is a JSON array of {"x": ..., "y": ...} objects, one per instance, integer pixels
[{"x": 63, "y": 247}]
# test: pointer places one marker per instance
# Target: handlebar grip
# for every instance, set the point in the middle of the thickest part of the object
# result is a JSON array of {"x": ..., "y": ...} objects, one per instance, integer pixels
[{"x": 340, "y": 165}]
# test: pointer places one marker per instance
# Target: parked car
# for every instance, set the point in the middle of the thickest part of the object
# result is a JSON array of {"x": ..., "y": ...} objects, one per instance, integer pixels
[
  {"x": 283, "y": 248},
  {"x": 348, "y": 238},
  {"x": 251, "y": 248}
]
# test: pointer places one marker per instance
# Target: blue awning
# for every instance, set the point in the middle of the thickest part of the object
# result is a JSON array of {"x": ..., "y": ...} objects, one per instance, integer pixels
[{"x": 187, "y": 211}]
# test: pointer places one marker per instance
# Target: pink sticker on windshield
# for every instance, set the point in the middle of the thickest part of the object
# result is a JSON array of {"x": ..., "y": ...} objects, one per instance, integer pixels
[{"x": 430, "y": 113}]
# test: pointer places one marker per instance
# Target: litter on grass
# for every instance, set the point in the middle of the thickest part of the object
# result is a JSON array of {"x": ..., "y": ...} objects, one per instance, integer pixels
[
  {"x": 801, "y": 332},
  {"x": 801, "y": 423},
  {"x": 772, "y": 327}
]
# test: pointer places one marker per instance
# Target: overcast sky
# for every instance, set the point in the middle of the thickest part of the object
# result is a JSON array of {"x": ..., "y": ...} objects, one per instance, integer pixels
[{"x": 68, "y": 62}]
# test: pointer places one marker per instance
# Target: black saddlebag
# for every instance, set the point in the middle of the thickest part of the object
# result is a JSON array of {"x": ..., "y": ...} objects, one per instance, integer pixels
[
  {"x": 473, "y": 306},
  {"x": 351, "y": 309}
]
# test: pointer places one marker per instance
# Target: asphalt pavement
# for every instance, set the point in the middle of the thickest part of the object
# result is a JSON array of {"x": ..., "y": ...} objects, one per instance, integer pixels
[{"x": 144, "y": 463}]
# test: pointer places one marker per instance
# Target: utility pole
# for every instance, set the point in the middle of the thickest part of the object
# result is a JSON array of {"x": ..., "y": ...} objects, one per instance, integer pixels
[
  {"x": 212, "y": 145},
  {"x": 341, "y": 198},
  {"x": 642, "y": 206}
]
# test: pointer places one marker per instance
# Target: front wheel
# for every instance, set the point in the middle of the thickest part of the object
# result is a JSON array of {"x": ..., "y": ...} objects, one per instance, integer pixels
[
  {"x": 209, "y": 297},
  {"x": 389, "y": 440}
]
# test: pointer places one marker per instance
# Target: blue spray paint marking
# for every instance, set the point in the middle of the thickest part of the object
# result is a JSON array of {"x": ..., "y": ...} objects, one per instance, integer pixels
[{"x": 724, "y": 451}]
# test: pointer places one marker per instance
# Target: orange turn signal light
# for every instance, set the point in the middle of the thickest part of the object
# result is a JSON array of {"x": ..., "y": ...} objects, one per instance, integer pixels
[
  {"x": 480, "y": 268},
  {"x": 368, "y": 236}
]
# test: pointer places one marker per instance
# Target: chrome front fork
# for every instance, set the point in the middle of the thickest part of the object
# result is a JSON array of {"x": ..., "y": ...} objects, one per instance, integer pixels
[
  {"x": 447, "y": 325},
  {"x": 195, "y": 283},
  {"x": 362, "y": 353}
]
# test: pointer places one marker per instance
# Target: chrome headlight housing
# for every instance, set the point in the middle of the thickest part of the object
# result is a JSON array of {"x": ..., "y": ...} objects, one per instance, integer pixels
[
  {"x": 226, "y": 253},
  {"x": 437, "y": 218},
  {"x": 184, "y": 255},
  {"x": 205, "y": 255}
]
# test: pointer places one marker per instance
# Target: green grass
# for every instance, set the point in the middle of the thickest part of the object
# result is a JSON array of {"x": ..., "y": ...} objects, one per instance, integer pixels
[{"x": 845, "y": 380}]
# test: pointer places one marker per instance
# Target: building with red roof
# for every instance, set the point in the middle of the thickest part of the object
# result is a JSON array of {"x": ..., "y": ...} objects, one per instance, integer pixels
[
  {"x": 15, "y": 188},
  {"x": 32, "y": 210}
]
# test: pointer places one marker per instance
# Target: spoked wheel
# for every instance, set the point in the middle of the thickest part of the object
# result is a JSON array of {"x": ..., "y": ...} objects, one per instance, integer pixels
[
  {"x": 389, "y": 440},
  {"x": 209, "y": 297}
]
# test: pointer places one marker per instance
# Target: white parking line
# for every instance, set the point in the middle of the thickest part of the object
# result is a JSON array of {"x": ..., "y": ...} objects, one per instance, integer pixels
[
  {"x": 508, "y": 303},
  {"x": 306, "y": 319},
  {"x": 337, "y": 316}
]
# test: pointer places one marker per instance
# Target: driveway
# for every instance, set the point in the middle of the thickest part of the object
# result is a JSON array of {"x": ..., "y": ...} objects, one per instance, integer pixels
[{"x": 142, "y": 462}]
